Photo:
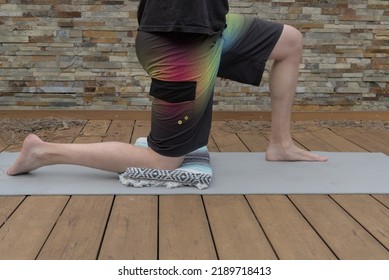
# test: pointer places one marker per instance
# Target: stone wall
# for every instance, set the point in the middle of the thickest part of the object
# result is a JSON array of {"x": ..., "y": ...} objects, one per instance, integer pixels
[{"x": 71, "y": 54}]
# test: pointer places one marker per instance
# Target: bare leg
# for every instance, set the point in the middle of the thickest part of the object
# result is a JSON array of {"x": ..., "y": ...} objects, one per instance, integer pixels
[
  {"x": 282, "y": 83},
  {"x": 109, "y": 156}
]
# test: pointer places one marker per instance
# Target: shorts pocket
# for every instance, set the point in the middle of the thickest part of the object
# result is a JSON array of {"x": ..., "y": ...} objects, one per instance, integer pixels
[{"x": 173, "y": 92}]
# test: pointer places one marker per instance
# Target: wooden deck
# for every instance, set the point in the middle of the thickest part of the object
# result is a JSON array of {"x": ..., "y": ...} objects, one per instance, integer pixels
[{"x": 201, "y": 227}]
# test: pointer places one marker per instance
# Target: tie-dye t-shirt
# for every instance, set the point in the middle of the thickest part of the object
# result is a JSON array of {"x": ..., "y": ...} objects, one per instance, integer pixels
[{"x": 191, "y": 16}]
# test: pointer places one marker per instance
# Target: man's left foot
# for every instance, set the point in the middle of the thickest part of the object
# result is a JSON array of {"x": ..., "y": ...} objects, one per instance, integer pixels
[{"x": 291, "y": 153}]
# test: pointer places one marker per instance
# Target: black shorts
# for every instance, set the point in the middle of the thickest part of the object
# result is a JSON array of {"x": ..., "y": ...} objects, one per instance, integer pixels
[{"x": 183, "y": 68}]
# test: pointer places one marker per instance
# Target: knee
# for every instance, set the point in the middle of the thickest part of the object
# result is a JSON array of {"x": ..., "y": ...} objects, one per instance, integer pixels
[
  {"x": 170, "y": 163},
  {"x": 289, "y": 46},
  {"x": 295, "y": 40},
  {"x": 165, "y": 163}
]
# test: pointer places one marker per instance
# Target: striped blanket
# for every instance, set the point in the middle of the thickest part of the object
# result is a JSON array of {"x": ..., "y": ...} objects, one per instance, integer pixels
[{"x": 195, "y": 171}]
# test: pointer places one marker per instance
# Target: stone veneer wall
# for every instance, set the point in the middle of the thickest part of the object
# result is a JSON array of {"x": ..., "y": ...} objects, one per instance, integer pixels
[{"x": 71, "y": 54}]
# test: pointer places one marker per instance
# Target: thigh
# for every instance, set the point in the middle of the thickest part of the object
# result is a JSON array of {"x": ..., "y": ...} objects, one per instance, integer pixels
[
  {"x": 247, "y": 45},
  {"x": 183, "y": 68}
]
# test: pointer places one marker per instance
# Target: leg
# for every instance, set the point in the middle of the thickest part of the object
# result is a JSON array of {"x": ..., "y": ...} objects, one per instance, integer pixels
[
  {"x": 152, "y": 50},
  {"x": 282, "y": 83},
  {"x": 109, "y": 156}
]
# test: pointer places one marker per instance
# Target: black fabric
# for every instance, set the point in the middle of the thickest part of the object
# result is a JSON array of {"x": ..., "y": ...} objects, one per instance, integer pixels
[
  {"x": 245, "y": 61},
  {"x": 174, "y": 141},
  {"x": 173, "y": 92},
  {"x": 192, "y": 16}
]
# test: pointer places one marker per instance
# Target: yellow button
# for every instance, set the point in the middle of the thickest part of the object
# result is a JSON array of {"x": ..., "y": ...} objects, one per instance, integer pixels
[{"x": 180, "y": 122}]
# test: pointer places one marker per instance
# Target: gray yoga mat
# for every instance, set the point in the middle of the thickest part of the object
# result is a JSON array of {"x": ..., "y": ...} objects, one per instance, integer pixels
[{"x": 233, "y": 173}]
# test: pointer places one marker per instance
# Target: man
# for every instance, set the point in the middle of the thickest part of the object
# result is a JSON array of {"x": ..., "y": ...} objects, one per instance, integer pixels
[{"x": 184, "y": 45}]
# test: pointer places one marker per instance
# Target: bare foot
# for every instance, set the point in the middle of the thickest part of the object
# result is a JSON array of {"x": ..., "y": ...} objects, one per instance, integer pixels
[
  {"x": 291, "y": 153},
  {"x": 29, "y": 158}
]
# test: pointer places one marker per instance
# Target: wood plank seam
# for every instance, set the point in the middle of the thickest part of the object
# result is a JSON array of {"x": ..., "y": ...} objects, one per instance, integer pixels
[
  {"x": 105, "y": 229},
  {"x": 158, "y": 230},
  {"x": 247, "y": 147},
  {"x": 210, "y": 229},
  {"x": 383, "y": 199},
  {"x": 313, "y": 228},
  {"x": 78, "y": 233},
  {"x": 300, "y": 144},
  {"x": 13, "y": 211},
  {"x": 80, "y": 132},
  {"x": 214, "y": 141},
  {"x": 54, "y": 225},
  {"x": 132, "y": 131},
  {"x": 263, "y": 229},
  {"x": 379, "y": 201},
  {"x": 359, "y": 223},
  {"x": 349, "y": 139}
]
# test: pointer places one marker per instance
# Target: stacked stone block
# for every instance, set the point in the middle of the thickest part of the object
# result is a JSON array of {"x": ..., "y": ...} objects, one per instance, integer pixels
[{"x": 80, "y": 54}]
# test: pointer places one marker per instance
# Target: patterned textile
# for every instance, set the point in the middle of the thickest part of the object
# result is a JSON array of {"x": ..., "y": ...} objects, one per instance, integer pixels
[{"x": 195, "y": 171}]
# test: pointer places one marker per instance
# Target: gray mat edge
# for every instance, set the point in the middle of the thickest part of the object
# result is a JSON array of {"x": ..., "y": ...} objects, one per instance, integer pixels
[{"x": 184, "y": 190}]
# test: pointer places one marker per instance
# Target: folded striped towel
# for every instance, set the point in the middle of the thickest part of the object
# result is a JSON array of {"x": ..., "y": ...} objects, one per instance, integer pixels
[{"x": 195, "y": 171}]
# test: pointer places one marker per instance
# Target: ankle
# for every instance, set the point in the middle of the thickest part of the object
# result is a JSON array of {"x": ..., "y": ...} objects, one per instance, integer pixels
[
  {"x": 35, "y": 146},
  {"x": 281, "y": 142}
]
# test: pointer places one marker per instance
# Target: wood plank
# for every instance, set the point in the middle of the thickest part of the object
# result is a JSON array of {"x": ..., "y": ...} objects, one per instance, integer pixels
[
  {"x": 184, "y": 232},
  {"x": 8, "y": 205},
  {"x": 226, "y": 141},
  {"x": 87, "y": 139},
  {"x": 79, "y": 230},
  {"x": 96, "y": 128},
  {"x": 3, "y": 145},
  {"x": 371, "y": 214},
  {"x": 383, "y": 198},
  {"x": 120, "y": 131},
  {"x": 16, "y": 147},
  {"x": 229, "y": 143},
  {"x": 379, "y": 135},
  {"x": 24, "y": 233},
  {"x": 93, "y": 132},
  {"x": 254, "y": 142},
  {"x": 362, "y": 140},
  {"x": 57, "y": 136},
  {"x": 312, "y": 142},
  {"x": 336, "y": 141},
  {"x": 346, "y": 238},
  {"x": 258, "y": 143},
  {"x": 66, "y": 135},
  {"x": 141, "y": 129},
  {"x": 236, "y": 231},
  {"x": 132, "y": 231},
  {"x": 212, "y": 147},
  {"x": 290, "y": 234}
]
